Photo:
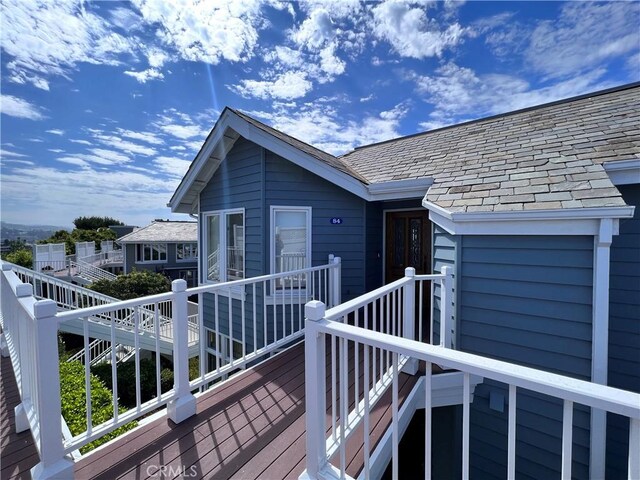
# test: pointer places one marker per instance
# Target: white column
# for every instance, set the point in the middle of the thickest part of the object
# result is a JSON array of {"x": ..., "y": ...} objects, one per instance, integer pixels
[
  {"x": 53, "y": 462},
  {"x": 335, "y": 278},
  {"x": 183, "y": 405},
  {"x": 600, "y": 342},
  {"x": 409, "y": 316},
  {"x": 446, "y": 307},
  {"x": 315, "y": 391}
]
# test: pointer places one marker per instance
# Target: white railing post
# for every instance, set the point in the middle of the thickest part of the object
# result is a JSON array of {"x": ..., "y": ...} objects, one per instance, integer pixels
[
  {"x": 315, "y": 391},
  {"x": 409, "y": 316},
  {"x": 53, "y": 462},
  {"x": 446, "y": 307},
  {"x": 183, "y": 405},
  {"x": 26, "y": 359},
  {"x": 335, "y": 279}
]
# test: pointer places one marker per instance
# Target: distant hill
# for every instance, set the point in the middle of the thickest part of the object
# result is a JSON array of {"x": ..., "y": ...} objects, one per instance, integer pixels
[{"x": 29, "y": 233}]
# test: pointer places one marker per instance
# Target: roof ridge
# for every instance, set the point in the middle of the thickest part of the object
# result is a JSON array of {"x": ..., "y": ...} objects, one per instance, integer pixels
[{"x": 576, "y": 98}]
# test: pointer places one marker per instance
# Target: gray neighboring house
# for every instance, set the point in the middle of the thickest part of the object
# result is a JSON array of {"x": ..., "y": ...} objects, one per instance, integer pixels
[
  {"x": 536, "y": 211},
  {"x": 167, "y": 247}
]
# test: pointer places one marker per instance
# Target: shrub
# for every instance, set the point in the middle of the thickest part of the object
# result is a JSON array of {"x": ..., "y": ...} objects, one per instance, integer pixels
[
  {"x": 74, "y": 407},
  {"x": 133, "y": 285},
  {"x": 23, "y": 257}
]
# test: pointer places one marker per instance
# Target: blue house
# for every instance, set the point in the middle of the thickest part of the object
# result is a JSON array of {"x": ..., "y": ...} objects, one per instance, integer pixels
[
  {"x": 535, "y": 211},
  {"x": 167, "y": 247}
]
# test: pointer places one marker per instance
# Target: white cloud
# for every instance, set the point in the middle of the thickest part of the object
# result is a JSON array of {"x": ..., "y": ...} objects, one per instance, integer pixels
[
  {"x": 206, "y": 31},
  {"x": 459, "y": 93},
  {"x": 411, "y": 33},
  {"x": 55, "y": 131},
  {"x": 145, "y": 75},
  {"x": 121, "y": 144},
  {"x": 17, "y": 107},
  {"x": 110, "y": 156},
  {"x": 7, "y": 153},
  {"x": 315, "y": 30},
  {"x": 175, "y": 167},
  {"x": 327, "y": 129},
  {"x": 55, "y": 150},
  {"x": 81, "y": 142},
  {"x": 288, "y": 85},
  {"x": 585, "y": 36},
  {"x": 51, "y": 38},
  {"x": 184, "y": 132},
  {"x": 144, "y": 136}
]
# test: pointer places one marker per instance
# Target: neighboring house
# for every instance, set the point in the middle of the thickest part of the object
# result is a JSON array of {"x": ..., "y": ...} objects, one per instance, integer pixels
[
  {"x": 533, "y": 209},
  {"x": 167, "y": 247}
]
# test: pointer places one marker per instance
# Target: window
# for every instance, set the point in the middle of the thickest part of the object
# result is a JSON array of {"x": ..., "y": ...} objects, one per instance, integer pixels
[
  {"x": 186, "y": 252},
  {"x": 290, "y": 243},
  {"x": 224, "y": 246},
  {"x": 219, "y": 345},
  {"x": 151, "y": 252},
  {"x": 189, "y": 276}
]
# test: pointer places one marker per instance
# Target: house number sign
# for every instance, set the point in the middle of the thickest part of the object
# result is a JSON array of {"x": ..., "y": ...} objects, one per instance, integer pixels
[{"x": 336, "y": 221}]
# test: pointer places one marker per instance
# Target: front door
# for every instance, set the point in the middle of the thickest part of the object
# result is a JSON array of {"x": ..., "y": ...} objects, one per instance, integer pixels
[{"x": 408, "y": 244}]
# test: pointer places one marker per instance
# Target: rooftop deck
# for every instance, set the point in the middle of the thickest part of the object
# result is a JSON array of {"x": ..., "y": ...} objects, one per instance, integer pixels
[
  {"x": 19, "y": 453},
  {"x": 253, "y": 426}
]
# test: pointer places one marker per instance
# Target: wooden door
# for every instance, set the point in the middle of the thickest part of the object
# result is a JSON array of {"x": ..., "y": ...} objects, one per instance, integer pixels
[{"x": 408, "y": 244}]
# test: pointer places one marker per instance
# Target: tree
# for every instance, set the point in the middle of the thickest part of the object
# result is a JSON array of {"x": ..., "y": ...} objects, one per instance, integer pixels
[
  {"x": 94, "y": 223},
  {"x": 23, "y": 257},
  {"x": 79, "y": 235},
  {"x": 133, "y": 285}
]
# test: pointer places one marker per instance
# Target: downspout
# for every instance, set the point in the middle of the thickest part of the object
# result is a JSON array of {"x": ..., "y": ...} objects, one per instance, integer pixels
[{"x": 600, "y": 340}]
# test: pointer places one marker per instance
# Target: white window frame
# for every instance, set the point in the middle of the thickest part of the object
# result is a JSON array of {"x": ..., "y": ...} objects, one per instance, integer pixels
[
  {"x": 223, "y": 244},
  {"x": 222, "y": 340},
  {"x": 140, "y": 247},
  {"x": 193, "y": 249},
  {"x": 272, "y": 242}
]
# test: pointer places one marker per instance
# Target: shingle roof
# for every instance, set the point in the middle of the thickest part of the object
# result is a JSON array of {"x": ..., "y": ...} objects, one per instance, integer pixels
[
  {"x": 325, "y": 157},
  {"x": 546, "y": 157},
  {"x": 163, "y": 232}
]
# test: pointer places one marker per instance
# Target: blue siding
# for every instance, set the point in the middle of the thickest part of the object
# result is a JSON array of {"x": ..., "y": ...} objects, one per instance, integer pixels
[
  {"x": 445, "y": 253},
  {"x": 288, "y": 184},
  {"x": 624, "y": 327},
  {"x": 526, "y": 300}
]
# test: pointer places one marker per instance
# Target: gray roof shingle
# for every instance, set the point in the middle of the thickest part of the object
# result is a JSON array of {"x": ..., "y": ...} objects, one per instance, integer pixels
[
  {"x": 545, "y": 157},
  {"x": 169, "y": 231}
]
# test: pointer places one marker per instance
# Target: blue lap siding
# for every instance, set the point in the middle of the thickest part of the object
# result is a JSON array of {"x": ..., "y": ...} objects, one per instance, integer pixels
[
  {"x": 624, "y": 327},
  {"x": 526, "y": 300}
]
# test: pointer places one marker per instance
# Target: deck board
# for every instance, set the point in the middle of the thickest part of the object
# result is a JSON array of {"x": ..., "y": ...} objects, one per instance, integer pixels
[
  {"x": 19, "y": 453},
  {"x": 252, "y": 426}
]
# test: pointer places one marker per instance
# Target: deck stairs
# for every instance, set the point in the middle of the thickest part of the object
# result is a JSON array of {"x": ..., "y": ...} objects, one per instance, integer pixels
[{"x": 69, "y": 296}]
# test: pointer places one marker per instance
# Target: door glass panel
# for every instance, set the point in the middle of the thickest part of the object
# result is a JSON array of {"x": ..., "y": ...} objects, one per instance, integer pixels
[
  {"x": 213, "y": 248},
  {"x": 291, "y": 241},
  {"x": 399, "y": 242},
  {"x": 235, "y": 246},
  {"x": 415, "y": 243}
]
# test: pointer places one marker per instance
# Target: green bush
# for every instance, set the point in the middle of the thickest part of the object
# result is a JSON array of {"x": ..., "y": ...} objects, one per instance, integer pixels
[
  {"x": 127, "y": 379},
  {"x": 74, "y": 407},
  {"x": 133, "y": 285},
  {"x": 22, "y": 257}
]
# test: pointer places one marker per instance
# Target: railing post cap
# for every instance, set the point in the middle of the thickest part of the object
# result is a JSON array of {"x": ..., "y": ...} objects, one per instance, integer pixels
[
  {"x": 6, "y": 266},
  {"x": 409, "y": 272},
  {"x": 447, "y": 270},
  {"x": 45, "y": 308},
  {"x": 314, "y": 310},
  {"x": 337, "y": 259},
  {"x": 179, "y": 285},
  {"x": 24, "y": 290}
]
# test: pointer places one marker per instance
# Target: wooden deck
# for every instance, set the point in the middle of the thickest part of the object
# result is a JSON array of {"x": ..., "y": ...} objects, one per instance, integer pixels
[
  {"x": 18, "y": 452},
  {"x": 253, "y": 426}
]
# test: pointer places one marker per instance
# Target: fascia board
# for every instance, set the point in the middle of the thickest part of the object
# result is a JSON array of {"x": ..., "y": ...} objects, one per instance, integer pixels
[
  {"x": 623, "y": 172},
  {"x": 399, "y": 189},
  {"x": 576, "y": 221}
]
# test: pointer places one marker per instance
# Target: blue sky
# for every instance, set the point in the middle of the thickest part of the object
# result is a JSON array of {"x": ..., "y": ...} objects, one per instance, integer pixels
[{"x": 104, "y": 104}]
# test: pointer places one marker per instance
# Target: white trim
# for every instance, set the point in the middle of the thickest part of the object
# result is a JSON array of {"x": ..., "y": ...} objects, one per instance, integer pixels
[
  {"x": 273, "y": 209},
  {"x": 216, "y": 149},
  {"x": 151, "y": 262},
  {"x": 203, "y": 256},
  {"x": 600, "y": 341},
  {"x": 570, "y": 221},
  {"x": 399, "y": 189},
  {"x": 623, "y": 172}
]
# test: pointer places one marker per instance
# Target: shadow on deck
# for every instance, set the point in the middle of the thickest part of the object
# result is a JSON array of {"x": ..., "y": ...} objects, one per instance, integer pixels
[
  {"x": 253, "y": 426},
  {"x": 19, "y": 453}
]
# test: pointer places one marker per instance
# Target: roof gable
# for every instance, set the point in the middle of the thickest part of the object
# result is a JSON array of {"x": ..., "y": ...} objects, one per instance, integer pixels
[{"x": 165, "y": 232}]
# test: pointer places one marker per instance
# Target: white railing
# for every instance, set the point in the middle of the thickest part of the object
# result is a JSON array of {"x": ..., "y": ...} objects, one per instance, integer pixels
[
  {"x": 103, "y": 258},
  {"x": 319, "y": 326},
  {"x": 91, "y": 272},
  {"x": 263, "y": 322},
  {"x": 100, "y": 351}
]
